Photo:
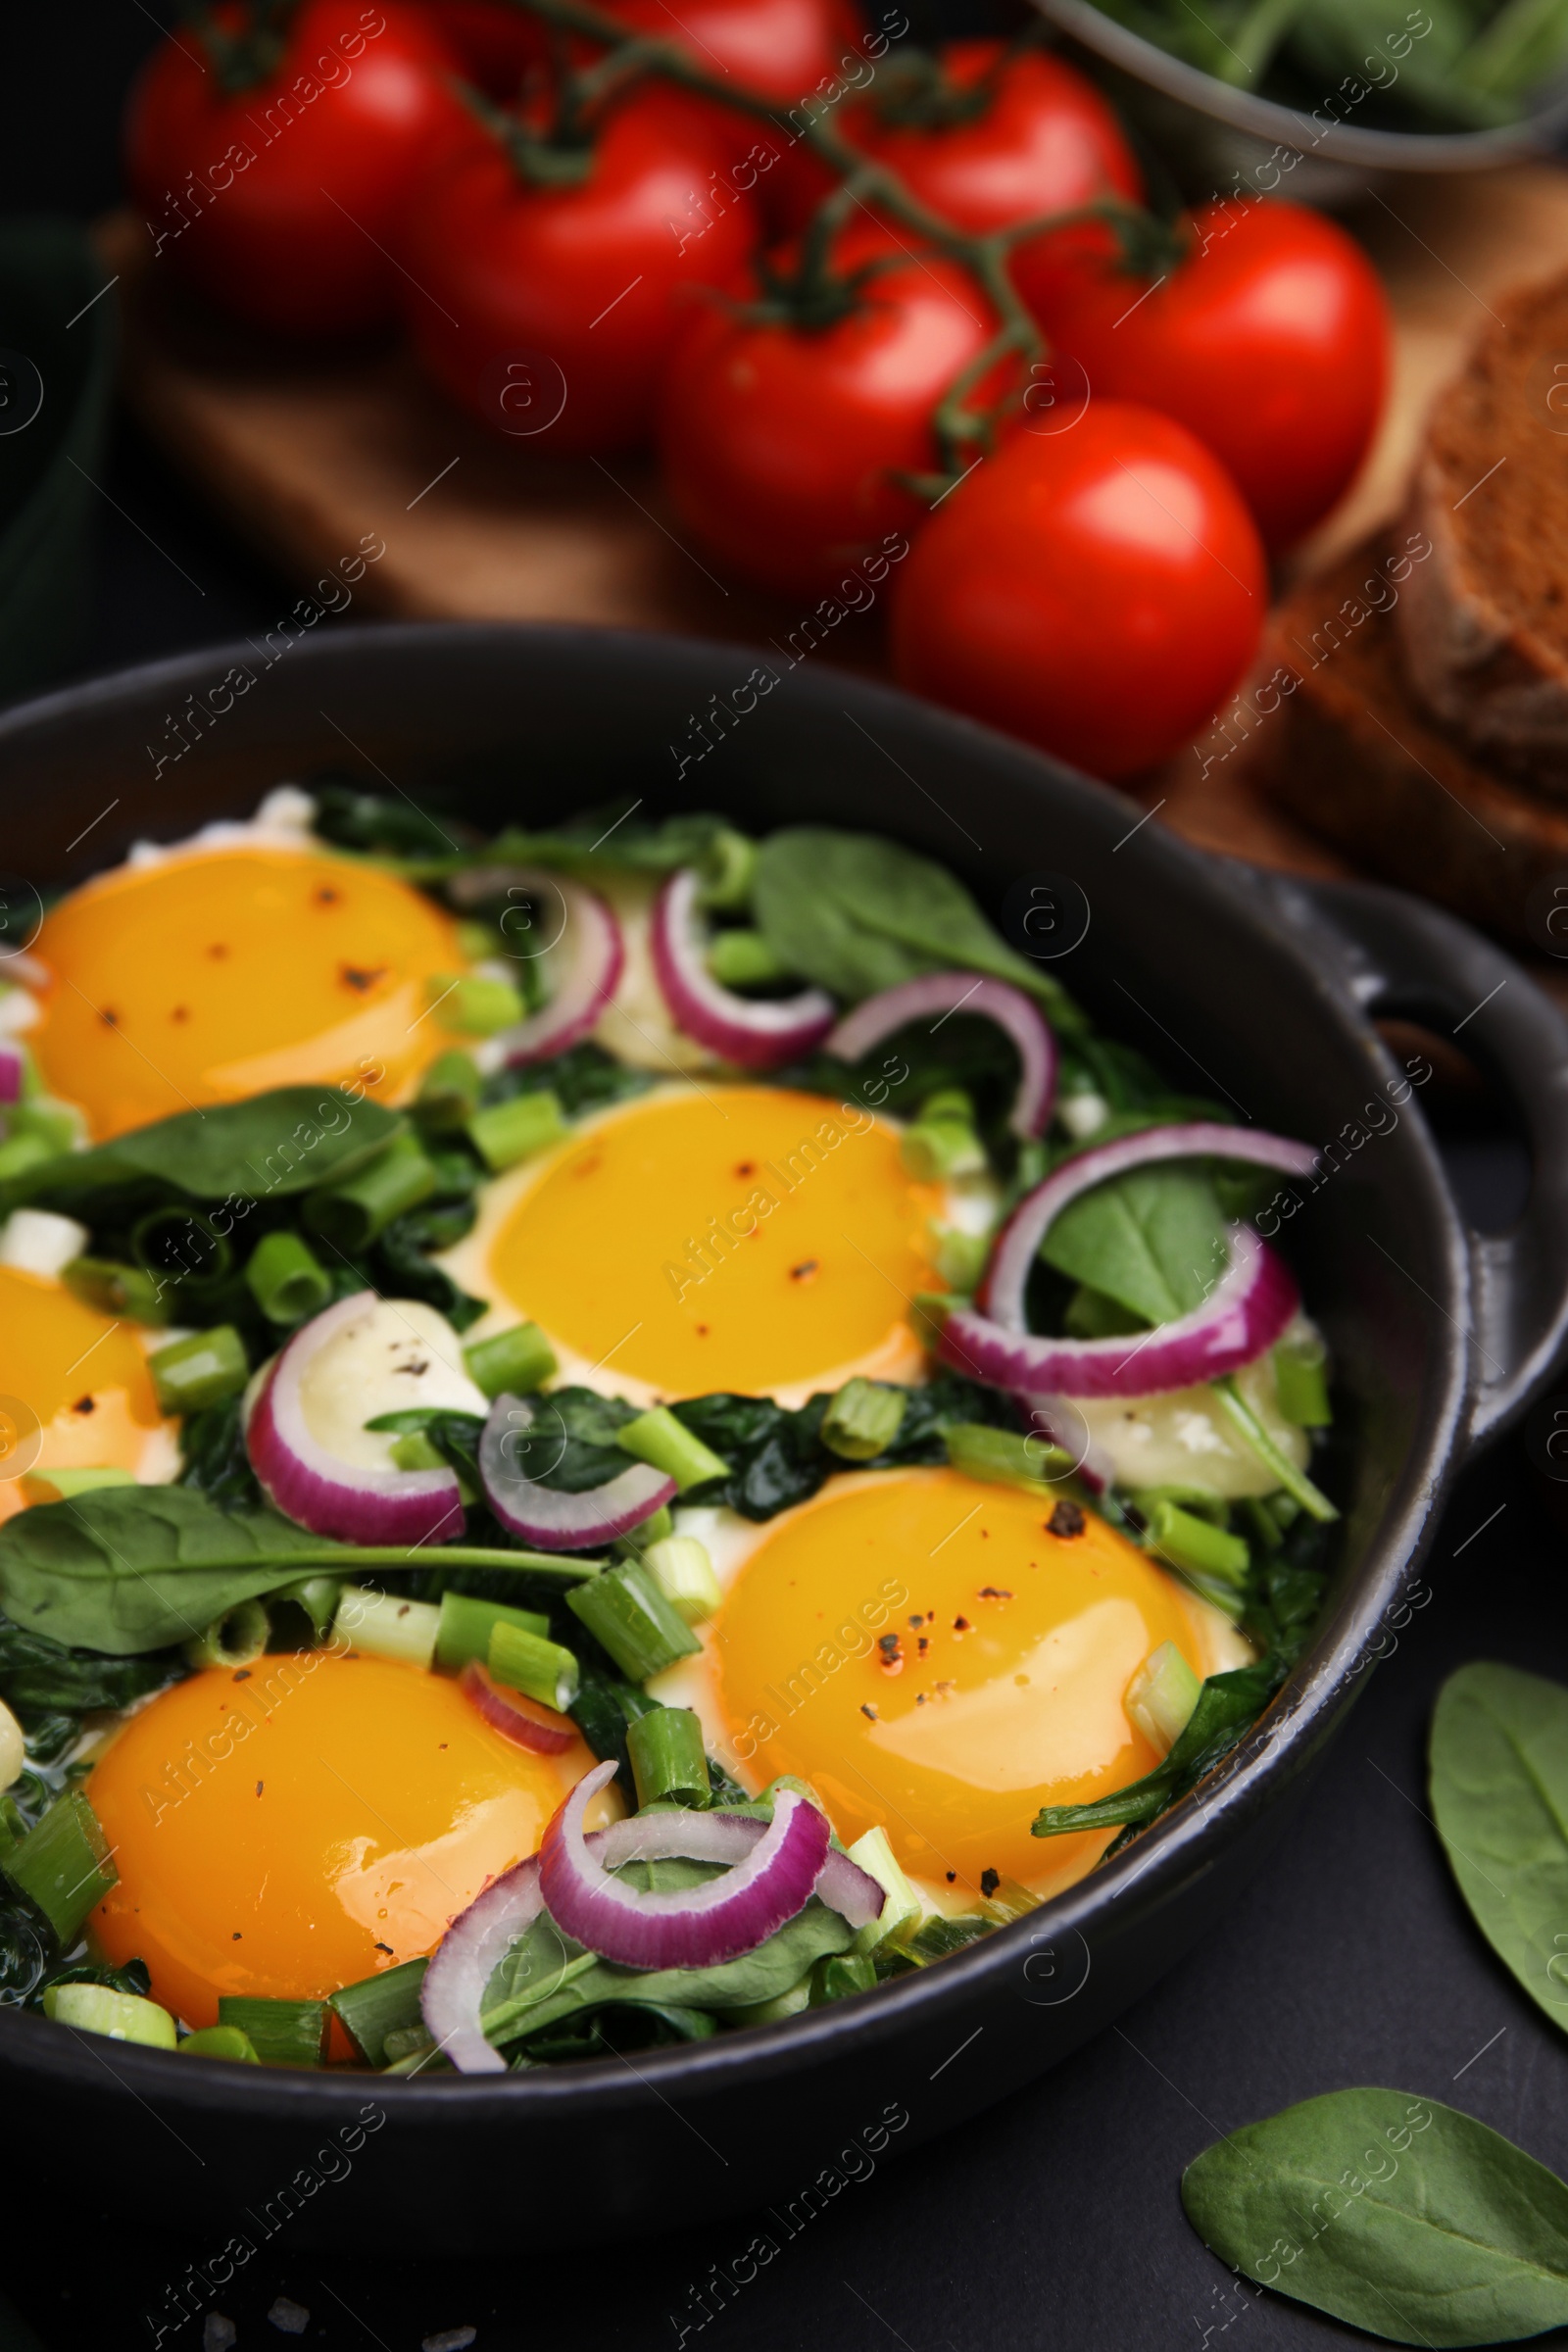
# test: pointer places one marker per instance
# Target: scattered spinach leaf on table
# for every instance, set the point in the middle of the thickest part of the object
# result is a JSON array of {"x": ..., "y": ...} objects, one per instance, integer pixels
[
  {"x": 1499, "y": 1798},
  {"x": 1395, "y": 2214}
]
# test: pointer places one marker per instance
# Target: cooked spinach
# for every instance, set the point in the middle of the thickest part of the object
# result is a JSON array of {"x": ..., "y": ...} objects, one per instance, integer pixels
[
  {"x": 582, "y": 1079},
  {"x": 1452, "y": 2235},
  {"x": 40, "y": 1675},
  {"x": 1500, "y": 1797},
  {"x": 858, "y": 914},
  {"x": 214, "y": 1459},
  {"x": 616, "y": 837},
  {"x": 353, "y": 818},
  {"x": 1226, "y": 1704}
]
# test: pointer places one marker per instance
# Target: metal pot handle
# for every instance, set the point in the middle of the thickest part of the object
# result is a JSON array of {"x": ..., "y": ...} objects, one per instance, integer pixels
[{"x": 1399, "y": 954}]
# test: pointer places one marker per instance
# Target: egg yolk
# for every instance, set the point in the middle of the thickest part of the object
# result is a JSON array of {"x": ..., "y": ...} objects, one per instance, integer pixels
[
  {"x": 75, "y": 1388},
  {"x": 750, "y": 1238},
  {"x": 944, "y": 1658},
  {"x": 221, "y": 974},
  {"x": 301, "y": 1825}
]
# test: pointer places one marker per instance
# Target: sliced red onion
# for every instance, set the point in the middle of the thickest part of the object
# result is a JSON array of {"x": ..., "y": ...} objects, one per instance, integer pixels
[
  {"x": 754, "y": 1032},
  {"x": 525, "y": 1721},
  {"x": 586, "y": 958},
  {"x": 317, "y": 1489},
  {"x": 1244, "y": 1313},
  {"x": 697, "y": 1927},
  {"x": 961, "y": 992},
  {"x": 1018, "y": 1243},
  {"x": 465, "y": 1959},
  {"x": 543, "y": 1516},
  {"x": 11, "y": 1069},
  {"x": 730, "y": 1838}
]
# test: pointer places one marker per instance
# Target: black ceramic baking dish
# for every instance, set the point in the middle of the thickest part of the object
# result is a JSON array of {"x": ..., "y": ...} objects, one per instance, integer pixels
[{"x": 1242, "y": 983}]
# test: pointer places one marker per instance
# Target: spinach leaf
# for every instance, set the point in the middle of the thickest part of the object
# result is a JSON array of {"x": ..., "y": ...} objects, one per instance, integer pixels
[
  {"x": 1153, "y": 1240},
  {"x": 605, "y": 2032},
  {"x": 1500, "y": 1797},
  {"x": 1226, "y": 1704},
  {"x": 582, "y": 1079},
  {"x": 776, "y": 1454},
  {"x": 214, "y": 1459},
  {"x": 130, "y": 1569},
  {"x": 37, "y": 1673},
  {"x": 612, "y": 836},
  {"x": 1395, "y": 2214},
  {"x": 354, "y": 819},
  {"x": 858, "y": 913},
  {"x": 284, "y": 1141},
  {"x": 546, "y": 1975}
]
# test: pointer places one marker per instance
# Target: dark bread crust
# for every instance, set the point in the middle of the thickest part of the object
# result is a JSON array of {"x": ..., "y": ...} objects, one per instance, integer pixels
[
  {"x": 1485, "y": 626},
  {"x": 1356, "y": 756}
]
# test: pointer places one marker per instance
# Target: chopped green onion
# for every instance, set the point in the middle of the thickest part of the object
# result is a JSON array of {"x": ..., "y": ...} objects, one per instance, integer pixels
[
  {"x": 658, "y": 1437},
  {"x": 60, "y": 1125},
  {"x": 514, "y": 1363},
  {"x": 64, "y": 1864},
  {"x": 64, "y": 1486},
  {"x": 526, "y": 1661},
  {"x": 221, "y": 2042},
  {"x": 281, "y": 2032},
  {"x": 466, "y": 1625},
  {"x": 449, "y": 1091},
  {"x": 864, "y": 1419},
  {"x": 318, "y": 1597},
  {"x": 406, "y": 2048},
  {"x": 903, "y": 1908},
  {"x": 1197, "y": 1546},
  {"x": 477, "y": 1006},
  {"x": 18, "y": 1152},
  {"x": 1295, "y": 1483},
  {"x": 668, "y": 1757},
  {"x": 840, "y": 1974},
  {"x": 200, "y": 1371},
  {"x": 510, "y": 1132},
  {"x": 1008, "y": 1901},
  {"x": 1300, "y": 1381},
  {"x": 1260, "y": 1520},
  {"x": 728, "y": 866},
  {"x": 349, "y": 1215},
  {"x": 100, "y": 2009},
  {"x": 960, "y": 1258},
  {"x": 1002, "y": 1458},
  {"x": 630, "y": 1617},
  {"x": 13, "y": 1821},
  {"x": 285, "y": 1281},
  {"x": 744, "y": 959},
  {"x": 117, "y": 1290},
  {"x": 1160, "y": 1698},
  {"x": 233, "y": 1640},
  {"x": 934, "y": 1150},
  {"x": 380, "y": 1625},
  {"x": 415, "y": 1451},
  {"x": 12, "y": 1760},
  {"x": 683, "y": 1570},
  {"x": 1204, "y": 1503},
  {"x": 380, "y": 2006}
]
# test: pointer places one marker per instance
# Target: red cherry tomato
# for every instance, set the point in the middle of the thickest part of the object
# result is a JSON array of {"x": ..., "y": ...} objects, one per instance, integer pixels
[
  {"x": 1270, "y": 342},
  {"x": 1097, "y": 591},
  {"x": 1044, "y": 143},
  {"x": 781, "y": 443},
  {"x": 551, "y": 310},
  {"x": 778, "y": 49},
  {"x": 278, "y": 200}
]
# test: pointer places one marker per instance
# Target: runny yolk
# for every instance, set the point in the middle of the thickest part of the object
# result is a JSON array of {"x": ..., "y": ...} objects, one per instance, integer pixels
[
  {"x": 296, "y": 1826},
  {"x": 223, "y": 973},
  {"x": 750, "y": 1238},
  {"x": 929, "y": 1651},
  {"x": 75, "y": 1388}
]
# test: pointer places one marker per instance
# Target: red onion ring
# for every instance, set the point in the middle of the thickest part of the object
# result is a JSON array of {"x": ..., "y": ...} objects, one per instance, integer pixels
[
  {"x": 524, "y": 1720},
  {"x": 317, "y": 1489},
  {"x": 1244, "y": 1316},
  {"x": 475, "y": 1943},
  {"x": 592, "y": 961},
  {"x": 755, "y": 1033},
  {"x": 698, "y": 1927},
  {"x": 724, "y": 1836},
  {"x": 961, "y": 992},
  {"x": 11, "y": 1067},
  {"x": 543, "y": 1516}
]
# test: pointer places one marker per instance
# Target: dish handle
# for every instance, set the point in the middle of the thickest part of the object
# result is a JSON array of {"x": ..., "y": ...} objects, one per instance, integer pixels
[{"x": 1400, "y": 956}]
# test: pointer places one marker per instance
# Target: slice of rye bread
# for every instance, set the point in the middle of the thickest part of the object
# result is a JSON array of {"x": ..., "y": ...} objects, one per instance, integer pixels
[
  {"x": 1485, "y": 623},
  {"x": 1352, "y": 754}
]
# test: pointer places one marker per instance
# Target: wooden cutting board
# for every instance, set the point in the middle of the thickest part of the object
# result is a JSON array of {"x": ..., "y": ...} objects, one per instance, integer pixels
[{"x": 308, "y": 453}]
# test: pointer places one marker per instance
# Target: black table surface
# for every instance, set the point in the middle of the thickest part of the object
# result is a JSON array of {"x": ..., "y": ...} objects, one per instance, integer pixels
[{"x": 1054, "y": 2220}]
